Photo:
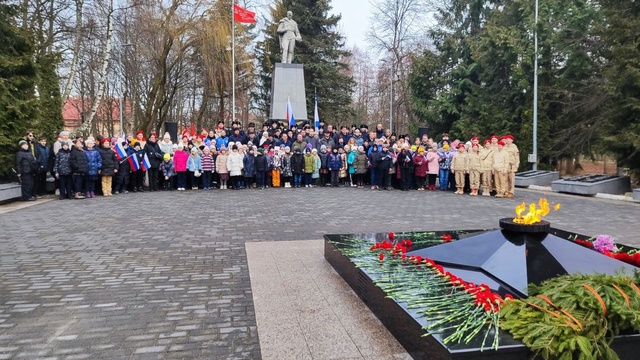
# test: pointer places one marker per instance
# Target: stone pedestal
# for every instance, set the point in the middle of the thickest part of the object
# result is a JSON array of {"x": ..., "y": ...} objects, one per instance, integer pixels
[
  {"x": 288, "y": 85},
  {"x": 535, "y": 177},
  {"x": 593, "y": 184},
  {"x": 636, "y": 195}
]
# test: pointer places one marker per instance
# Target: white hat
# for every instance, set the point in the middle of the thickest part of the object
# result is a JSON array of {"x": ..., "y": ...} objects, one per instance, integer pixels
[
  {"x": 194, "y": 149},
  {"x": 175, "y": 146}
]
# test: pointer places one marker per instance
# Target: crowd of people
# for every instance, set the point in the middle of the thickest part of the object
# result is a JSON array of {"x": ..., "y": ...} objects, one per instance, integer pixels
[{"x": 273, "y": 156}]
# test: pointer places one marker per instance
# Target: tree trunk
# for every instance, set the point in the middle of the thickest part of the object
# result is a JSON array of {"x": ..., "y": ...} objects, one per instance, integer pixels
[
  {"x": 103, "y": 71},
  {"x": 76, "y": 52}
]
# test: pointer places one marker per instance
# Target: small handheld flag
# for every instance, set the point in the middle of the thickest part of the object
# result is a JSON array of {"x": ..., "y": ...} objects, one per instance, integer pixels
[
  {"x": 146, "y": 164},
  {"x": 133, "y": 162},
  {"x": 291, "y": 120},
  {"x": 316, "y": 117},
  {"x": 121, "y": 153}
]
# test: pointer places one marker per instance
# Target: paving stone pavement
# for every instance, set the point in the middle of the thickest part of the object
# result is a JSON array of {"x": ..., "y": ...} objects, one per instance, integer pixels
[{"x": 165, "y": 276}]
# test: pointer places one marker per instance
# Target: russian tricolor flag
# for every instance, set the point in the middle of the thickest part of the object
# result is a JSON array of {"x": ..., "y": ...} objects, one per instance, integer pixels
[
  {"x": 121, "y": 153},
  {"x": 146, "y": 165},
  {"x": 291, "y": 120},
  {"x": 133, "y": 162}
]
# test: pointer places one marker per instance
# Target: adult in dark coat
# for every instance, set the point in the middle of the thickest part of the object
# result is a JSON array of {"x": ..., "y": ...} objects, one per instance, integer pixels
[
  {"x": 405, "y": 162},
  {"x": 152, "y": 149},
  {"x": 43, "y": 157},
  {"x": 383, "y": 162},
  {"x": 26, "y": 167}
]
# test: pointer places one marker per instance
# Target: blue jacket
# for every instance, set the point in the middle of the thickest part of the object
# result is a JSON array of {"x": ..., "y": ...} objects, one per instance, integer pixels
[
  {"x": 334, "y": 161},
  {"x": 94, "y": 161},
  {"x": 43, "y": 157},
  {"x": 222, "y": 141},
  {"x": 249, "y": 163},
  {"x": 193, "y": 163}
]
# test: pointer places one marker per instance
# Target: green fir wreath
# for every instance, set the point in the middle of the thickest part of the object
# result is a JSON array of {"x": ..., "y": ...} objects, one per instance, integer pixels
[{"x": 575, "y": 316}]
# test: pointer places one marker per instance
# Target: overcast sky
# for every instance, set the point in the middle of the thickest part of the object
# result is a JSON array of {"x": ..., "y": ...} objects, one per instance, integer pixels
[{"x": 355, "y": 20}]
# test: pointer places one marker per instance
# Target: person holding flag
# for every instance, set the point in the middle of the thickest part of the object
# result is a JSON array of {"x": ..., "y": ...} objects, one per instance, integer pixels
[{"x": 137, "y": 173}]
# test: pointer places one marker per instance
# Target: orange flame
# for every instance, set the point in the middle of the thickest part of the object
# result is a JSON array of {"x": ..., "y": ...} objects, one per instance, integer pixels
[{"x": 535, "y": 214}]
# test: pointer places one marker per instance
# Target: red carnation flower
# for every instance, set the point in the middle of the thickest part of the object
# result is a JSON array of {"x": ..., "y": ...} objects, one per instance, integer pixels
[
  {"x": 392, "y": 236},
  {"x": 381, "y": 257},
  {"x": 446, "y": 237}
]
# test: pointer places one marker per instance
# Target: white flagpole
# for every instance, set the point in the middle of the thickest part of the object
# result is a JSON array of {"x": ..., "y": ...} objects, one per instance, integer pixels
[{"x": 233, "y": 65}]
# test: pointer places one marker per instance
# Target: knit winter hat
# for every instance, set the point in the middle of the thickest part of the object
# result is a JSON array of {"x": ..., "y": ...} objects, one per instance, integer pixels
[
  {"x": 22, "y": 142},
  {"x": 194, "y": 150},
  {"x": 446, "y": 147},
  {"x": 166, "y": 157}
]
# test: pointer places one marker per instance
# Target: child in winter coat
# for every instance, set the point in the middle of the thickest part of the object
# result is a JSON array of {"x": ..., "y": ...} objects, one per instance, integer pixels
[
  {"x": 235, "y": 166},
  {"x": 421, "y": 166},
  {"x": 221, "y": 167},
  {"x": 168, "y": 170},
  {"x": 432, "y": 166},
  {"x": 62, "y": 169},
  {"x": 309, "y": 168},
  {"x": 276, "y": 165},
  {"x": 351, "y": 158},
  {"x": 335, "y": 164},
  {"x": 297, "y": 167},
  {"x": 94, "y": 162},
  {"x": 137, "y": 177},
  {"x": 194, "y": 167},
  {"x": 109, "y": 166},
  {"x": 261, "y": 165},
  {"x": 180, "y": 158},
  {"x": 287, "y": 172},
  {"x": 316, "y": 170},
  {"x": 345, "y": 166},
  {"x": 207, "y": 164},
  {"x": 444, "y": 159},
  {"x": 123, "y": 174},
  {"x": 249, "y": 166},
  {"x": 360, "y": 165}
]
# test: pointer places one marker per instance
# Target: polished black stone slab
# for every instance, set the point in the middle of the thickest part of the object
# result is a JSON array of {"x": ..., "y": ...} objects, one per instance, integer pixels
[{"x": 482, "y": 256}]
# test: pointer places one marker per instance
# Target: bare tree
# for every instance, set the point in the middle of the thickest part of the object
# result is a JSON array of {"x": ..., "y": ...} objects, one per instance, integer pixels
[
  {"x": 397, "y": 29},
  {"x": 76, "y": 52},
  {"x": 106, "y": 56}
]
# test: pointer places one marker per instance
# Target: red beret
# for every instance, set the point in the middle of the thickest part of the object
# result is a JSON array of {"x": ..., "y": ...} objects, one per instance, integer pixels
[
  {"x": 105, "y": 140},
  {"x": 460, "y": 145},
  {"x": 474, "y": 138},
  {"x": 502, "y": 138},
  {"x": 487, "y": 141},
  {"x": 493, "y": 137},
  {"x": 501, "y": 143},
  {"x": 509, "y": 137},
  {"x": 139, "y": 132},
  {"x": 475, "y": 145}
]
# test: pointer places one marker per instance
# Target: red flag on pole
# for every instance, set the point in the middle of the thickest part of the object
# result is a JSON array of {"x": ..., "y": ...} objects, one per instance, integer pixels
[{"x": 242, "y": 15}]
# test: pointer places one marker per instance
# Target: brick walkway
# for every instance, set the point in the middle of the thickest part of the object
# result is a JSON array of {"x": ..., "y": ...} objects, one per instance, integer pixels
[{"x": 165, "y": 276}]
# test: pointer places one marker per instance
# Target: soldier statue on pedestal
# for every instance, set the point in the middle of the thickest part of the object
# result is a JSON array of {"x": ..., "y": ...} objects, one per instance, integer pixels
[{"x": 288, "y": 33}]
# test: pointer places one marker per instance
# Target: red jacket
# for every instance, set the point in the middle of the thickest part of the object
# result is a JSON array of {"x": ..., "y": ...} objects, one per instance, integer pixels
[{"x": 421, "y": 165}]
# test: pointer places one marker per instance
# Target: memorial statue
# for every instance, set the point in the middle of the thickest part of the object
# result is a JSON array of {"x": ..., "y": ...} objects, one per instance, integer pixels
[{"x": 288, "y": 32}]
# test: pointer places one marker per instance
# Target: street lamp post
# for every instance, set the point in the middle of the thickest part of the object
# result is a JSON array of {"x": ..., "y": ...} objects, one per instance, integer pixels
[
  {"x": 391, "y": 99},
  {"x": 122, "y": 97}
]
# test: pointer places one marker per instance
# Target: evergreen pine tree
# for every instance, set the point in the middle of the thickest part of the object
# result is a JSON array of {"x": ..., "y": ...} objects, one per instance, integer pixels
[{"x": 18, "y": 75}]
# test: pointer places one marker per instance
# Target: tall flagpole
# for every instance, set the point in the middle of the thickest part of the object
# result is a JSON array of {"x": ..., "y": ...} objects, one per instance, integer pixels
[
  {"x": 535, "y": 93},
  {"x": 233, "y": 65}
]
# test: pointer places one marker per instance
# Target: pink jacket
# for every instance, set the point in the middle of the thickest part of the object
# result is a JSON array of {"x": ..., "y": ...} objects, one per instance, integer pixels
[
  {"x": 432, "y": 159},
  {"x": 180, "y": 160}
]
